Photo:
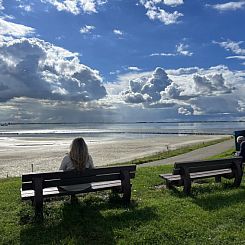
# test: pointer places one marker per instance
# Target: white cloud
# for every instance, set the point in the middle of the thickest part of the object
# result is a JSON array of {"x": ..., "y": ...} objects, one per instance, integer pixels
[
  {"x": 232, "y": 46},
  {"x": 188, "y": 91},
  {"x": 76, "y": 6},
  {"x": 164, "y": 16},
  {"x": 87, "y": 29},
  {"x": 157, "y": 13},
  {"x": 182, "y": 49},
  {"x": 117, "y": 32},
  {"x": 185, "y": 111},
  {"x": 147, "y": 89},
  {"x": 14, "y": 30},
  {"x": 173, "y": 3},
  {"x": 163, "y": 54},
  {"x": 229, "y": 6},
  {"x": 27, "y": 8},
  {"x": 239, "y": 57},
  {"x": 37, "y": 69},
  {"x": 134, "y": 68},
  {"x": 210, "y": 85},
  {"x": 1, "y": 5}
]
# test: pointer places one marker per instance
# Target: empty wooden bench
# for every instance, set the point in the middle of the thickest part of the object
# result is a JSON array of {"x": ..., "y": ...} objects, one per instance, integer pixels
[
  {"x": 185, "y": 172},
  {"x": 38, "y": 186}
]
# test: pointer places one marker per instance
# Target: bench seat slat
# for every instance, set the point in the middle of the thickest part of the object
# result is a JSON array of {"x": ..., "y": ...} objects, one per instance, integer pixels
[
  {"x": 54, "y": 191},
  {"x": 198, "y": 175},
  {"x": 170, "y": 177}
]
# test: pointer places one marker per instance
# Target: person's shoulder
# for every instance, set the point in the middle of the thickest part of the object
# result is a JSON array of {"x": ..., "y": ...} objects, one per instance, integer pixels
[{"x": 66, "y": 158}]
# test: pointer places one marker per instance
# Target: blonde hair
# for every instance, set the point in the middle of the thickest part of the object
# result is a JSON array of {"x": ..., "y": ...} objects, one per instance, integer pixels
[{"x": 79, "y": 153}]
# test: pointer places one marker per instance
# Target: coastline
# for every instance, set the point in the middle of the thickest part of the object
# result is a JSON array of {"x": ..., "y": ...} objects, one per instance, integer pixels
[{"x": 20, "y": 155}]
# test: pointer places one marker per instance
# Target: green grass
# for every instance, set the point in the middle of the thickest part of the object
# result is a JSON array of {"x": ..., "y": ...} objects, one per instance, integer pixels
[
  {"x": 213, "y": 214},
  {"x": 226, "y": 154},
  {"x": 172, "y": 153}
]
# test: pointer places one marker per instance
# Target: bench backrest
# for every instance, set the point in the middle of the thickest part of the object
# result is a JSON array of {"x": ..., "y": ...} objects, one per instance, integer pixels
[
  {"x": 65, "y": 178},
  {"x": 206, "y": 165}
]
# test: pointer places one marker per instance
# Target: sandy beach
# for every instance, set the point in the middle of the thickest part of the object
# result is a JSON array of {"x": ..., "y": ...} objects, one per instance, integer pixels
[{"x": 45, "y": 154}]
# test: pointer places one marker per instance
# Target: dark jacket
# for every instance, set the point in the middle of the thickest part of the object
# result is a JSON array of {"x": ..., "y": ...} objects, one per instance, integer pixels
[{"x": 242, "y": 151}]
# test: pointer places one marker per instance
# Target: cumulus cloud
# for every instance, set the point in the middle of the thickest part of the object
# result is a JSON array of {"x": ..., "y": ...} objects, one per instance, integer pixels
[
  {"x": 210, "y": 85},
  {"x": 163, "y": 16},
  {"x": 37, "y": 69},
  {"x": 87, "y": 29},
  {"x": 154, "y": 12},
  {"x": 147, "y": 89},
  {"x": 182, "y": 89},
  {"x": 76, "y": 6},
  {"x": 15, "y": 30},
  {"x": 229, "y": 6},
  {"x": 117, "y": 32}
]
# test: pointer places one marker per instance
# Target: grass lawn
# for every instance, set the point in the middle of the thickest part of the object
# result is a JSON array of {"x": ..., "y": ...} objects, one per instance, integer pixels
[{"x": 214, "y": 214}]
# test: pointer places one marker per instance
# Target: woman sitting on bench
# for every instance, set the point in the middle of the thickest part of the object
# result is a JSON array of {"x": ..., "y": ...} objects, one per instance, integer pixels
[{"x": 77, "y": 159}]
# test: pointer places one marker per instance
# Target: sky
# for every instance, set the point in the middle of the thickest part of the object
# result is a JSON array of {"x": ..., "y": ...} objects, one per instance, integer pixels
[{"x": 121, "y": 60}]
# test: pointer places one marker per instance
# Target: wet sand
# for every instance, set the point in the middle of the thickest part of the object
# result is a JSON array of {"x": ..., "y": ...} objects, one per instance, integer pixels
[{"x": 18, "y": 155}]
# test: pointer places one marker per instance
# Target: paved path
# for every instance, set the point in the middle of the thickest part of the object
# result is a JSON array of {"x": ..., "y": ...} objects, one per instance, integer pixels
[{"x": 199, "y": 154}]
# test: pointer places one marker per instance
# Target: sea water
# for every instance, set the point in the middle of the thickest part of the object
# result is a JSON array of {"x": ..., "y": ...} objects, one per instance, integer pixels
[{"x": 119, "y": 130}]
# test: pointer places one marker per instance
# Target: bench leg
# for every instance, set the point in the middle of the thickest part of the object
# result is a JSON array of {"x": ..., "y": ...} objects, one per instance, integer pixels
[
  {"x": 126, "y": 187},
  {"x": 127, "y": 196},
  {"x": 217, "y": 179},
  {"x": 238, "y": 177},
  {"x": 38, "y": 209},
  {"x": 169, "y": 184},
  {"x": 38, "y": 198},
  {"x": 74, "y": 199},
  {"x": 187, "y": 186}
]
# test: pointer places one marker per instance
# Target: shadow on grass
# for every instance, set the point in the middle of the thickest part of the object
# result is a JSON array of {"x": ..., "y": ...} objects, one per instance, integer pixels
[
  {"x": 217, "y": 196},
  {"x": 210, "y": 195},
  {"x": 90, "y": 221}
]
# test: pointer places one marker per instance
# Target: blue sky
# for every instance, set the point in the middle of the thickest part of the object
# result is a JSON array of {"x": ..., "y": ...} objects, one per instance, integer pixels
[{"x": 121, "y": 60}]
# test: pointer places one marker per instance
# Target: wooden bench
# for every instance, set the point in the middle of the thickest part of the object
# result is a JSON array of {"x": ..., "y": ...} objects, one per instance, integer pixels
[
  {"x": 185, "y": 172},
  {"x": 37, "y": 186}
]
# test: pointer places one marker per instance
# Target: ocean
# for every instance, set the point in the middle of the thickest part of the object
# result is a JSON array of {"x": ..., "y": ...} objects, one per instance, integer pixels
[{"x": 119, "y": 130}]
